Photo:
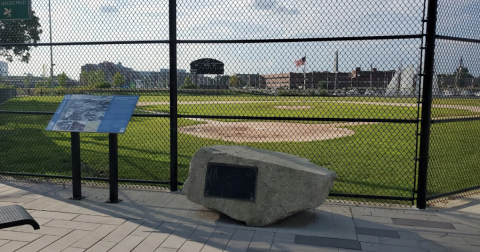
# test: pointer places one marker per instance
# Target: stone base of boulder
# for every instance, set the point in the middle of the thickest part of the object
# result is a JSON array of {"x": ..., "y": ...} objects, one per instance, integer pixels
[{"x": 284, "y": 184}]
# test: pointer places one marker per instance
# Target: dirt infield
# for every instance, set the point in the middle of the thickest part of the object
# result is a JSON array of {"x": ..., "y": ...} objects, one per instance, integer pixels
[
  {"x": 279, "y": 131},
  {"x": 261, "y": 132}
]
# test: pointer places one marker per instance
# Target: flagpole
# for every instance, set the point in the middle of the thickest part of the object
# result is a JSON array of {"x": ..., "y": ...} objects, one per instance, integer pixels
[{"x": 304, "y": 77}]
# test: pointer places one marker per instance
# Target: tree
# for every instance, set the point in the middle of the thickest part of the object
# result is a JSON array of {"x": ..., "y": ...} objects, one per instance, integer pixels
[
  {"x": 188, "y": 84},
  {"x": 458, "y": 79},
  {"x": 322, "y": 85},
  {"x": 94, "y": 79},
  {"x": 62, "y": 79},
  {"x": 19, "y": 31},
  {"x": 118, "y": 80},
  {"x": 27, "y": 80},
  {"x": 188, "y": 81},
  {"x": 234, "y": 80}
]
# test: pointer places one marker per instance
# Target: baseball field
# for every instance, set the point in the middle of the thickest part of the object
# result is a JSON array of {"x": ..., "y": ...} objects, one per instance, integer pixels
[{"x": 376, "y": 158}]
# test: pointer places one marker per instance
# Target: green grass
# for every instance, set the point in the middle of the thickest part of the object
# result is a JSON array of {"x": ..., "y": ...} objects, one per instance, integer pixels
[{"x": 378, "y": 159}]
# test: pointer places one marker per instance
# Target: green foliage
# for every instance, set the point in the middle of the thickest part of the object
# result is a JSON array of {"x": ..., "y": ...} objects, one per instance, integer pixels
[
  {"x": 94, "y": 79},
  {"x": 19, "y": 32},
  {"x": 6, "y": 86},
  {"x": 118, "y": 80},
  {"x": 188, "y": 81},
  {"x": 104, "y": 84},
  {"x": 62, "y": 79},
  {"x": 461, "y": 78},
  {"x": 322, "y": 85},
  {"x": 234, "y": 81}
]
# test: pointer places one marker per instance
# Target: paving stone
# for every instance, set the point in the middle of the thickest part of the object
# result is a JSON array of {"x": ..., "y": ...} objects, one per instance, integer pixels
[
  {"x": 300, "y": 247},
  {"x": 377, "y": 232},
  {"x": 10, "y": 203},
  {"x": 191, "y": 246},
  {"x": 361, "y": 211},
  {"x": 422, "y": 223},
  {"x": 202, "y": 233},
  {"x": 166, "y": 250},
  {"x": 464, "y": 227},
  {"x": 70, "y": 249},
  {"x": 261, "y": 250},
  {"x": 146, "y": 228},
  {"x": 12, "y": 246},
  {"x": 122, "y": 231},
  {"x": 368, "y": 238},
  {"x": 327, "y": 242},
  {"x": 422, "y": 244},
  {"x": 65, "y": 241},
  {"x": 436, "y": 237},
  {"x": 16, "y": 199},
  {"x": 17, "y": 236},
  {"x": 128, "y": 243},
  {"x": 39, "y": 244},
  {"x": 366, "y": 246},
  {"x": 33, "y": 196},
  {"x": 57, "y": 231},
  {"x": 53, "y": 215},
  {"x": 262, "y": 240},
  {"x": 94, "y": 236},
  {"x": 101, "y": 246},
  {"x": 99, "y": 219},
  {"x": 157, "y": 237},
  {"x": 284, "y": 237},
  {"x": 462, "y": 248},
  {"x": 397, "y": 214},
  {"x": 179, "y": 236},
  {"x": 73, "y": 225},
  {"x": 369, "y": 224},
  {"x": 240, "y": 240},
  {"x": 219, "y": 240},
  {"x": 470, "y": 241},
  {"x": 2, "y": 242},
  {"x": 383, "y": 220}
]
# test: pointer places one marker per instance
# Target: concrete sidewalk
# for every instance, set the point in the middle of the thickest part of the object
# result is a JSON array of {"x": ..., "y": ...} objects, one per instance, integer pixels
[{"x": 149, "y": 220}]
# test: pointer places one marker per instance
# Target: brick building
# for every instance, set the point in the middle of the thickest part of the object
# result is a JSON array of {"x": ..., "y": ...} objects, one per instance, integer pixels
[{"x": 355, "y": 79}]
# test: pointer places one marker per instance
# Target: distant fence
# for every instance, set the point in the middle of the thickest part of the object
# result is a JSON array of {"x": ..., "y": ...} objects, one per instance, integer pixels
[{"x": 384, "y": 146}]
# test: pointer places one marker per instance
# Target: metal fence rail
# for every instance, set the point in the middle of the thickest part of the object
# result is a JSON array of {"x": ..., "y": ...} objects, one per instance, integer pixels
[{"x": 382, "y": 93}]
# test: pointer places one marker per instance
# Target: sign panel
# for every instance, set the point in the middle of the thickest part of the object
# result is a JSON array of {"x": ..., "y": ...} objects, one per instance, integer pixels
[
  {"x": 93, "y": 113},
  {"x": 14, "y": 10},
  {"x": 231, "y": 181},
  {"x": 207, "y": 66}
]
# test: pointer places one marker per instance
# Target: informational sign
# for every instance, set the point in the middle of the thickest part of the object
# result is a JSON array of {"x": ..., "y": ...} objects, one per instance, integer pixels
[
  {"x": 93, "y": 113},
  {"x": 14, "y": 10},
  {"x": 207, "y": 66},
  {"x": 231, "y": 181}
]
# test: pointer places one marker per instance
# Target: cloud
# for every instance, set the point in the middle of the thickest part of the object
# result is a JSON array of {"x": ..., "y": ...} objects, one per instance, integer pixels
[
  {"x": 274, "y": 6},
  {"x": 264, "y": 4},
  {"x": 108, "y": 9}
]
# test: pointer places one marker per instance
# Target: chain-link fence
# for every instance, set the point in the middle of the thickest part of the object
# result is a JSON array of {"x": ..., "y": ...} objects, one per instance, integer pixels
[{"x": 338, "y": 82}]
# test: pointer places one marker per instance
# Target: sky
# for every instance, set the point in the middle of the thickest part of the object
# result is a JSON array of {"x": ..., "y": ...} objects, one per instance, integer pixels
[{"x": 133, "y": 20}]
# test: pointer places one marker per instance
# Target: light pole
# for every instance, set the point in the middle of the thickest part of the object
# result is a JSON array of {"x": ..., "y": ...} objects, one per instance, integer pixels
[{"x": 51, "y": 49}]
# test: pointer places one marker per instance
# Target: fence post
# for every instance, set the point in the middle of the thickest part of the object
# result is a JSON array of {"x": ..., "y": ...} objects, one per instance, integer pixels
[
  {"x": 426, "y": 120},
  {"x": 172, "y": 24}
]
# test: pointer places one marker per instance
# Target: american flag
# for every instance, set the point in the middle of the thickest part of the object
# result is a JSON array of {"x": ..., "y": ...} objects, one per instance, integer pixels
[{"x": 300, "y": 61}]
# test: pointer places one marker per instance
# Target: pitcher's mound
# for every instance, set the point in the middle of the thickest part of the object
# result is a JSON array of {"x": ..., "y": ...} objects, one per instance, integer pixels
[{"x": 268, "y": 131}]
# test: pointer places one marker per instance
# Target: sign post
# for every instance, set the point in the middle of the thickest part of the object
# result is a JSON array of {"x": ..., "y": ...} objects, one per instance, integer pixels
[
  {"x": 94, "y": 113},
  {"x": 15, "y": 10}
]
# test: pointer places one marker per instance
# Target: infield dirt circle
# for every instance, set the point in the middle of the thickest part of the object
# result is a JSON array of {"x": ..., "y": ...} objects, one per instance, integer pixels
[{"x": 268, "y": 131}]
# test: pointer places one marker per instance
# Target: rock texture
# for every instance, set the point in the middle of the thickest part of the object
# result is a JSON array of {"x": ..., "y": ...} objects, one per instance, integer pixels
[{"x": 286, "y": 184}]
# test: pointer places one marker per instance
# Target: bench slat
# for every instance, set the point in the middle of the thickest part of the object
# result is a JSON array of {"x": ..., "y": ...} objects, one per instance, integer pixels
[{"x": 16, "y": 215}]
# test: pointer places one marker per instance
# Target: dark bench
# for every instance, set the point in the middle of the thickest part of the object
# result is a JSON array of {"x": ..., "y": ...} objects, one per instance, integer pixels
[{"x": 16, "y": 215}]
